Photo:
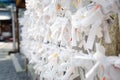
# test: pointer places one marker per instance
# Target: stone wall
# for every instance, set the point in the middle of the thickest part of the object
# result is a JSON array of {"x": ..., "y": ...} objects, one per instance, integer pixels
[
  {"x": 114, "y": 47},
  {"x": 118, "y": 39}
]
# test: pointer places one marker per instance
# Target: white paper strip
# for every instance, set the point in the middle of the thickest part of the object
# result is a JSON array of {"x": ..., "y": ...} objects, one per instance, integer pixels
[
  {"x": 63, "y": 25},
  {"x": 91, "y": 74},
  {"x": 106, "y": 34},
  {"x": 91, "y": 37},
  {"x": 74, "y": 41}
]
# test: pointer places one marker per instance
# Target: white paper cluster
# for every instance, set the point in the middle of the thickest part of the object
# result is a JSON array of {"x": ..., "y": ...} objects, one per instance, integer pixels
[{"x": 59, "y": 36}]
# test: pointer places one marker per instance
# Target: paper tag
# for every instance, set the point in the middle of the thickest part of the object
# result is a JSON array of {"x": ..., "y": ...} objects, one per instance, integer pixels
[
  {"x": 106, "y": 34},
  {"x": 77, "y": 35},
  {"x": 91, "y": 37},
  {"x": 91, "y": 19},
  {"x": 100, "y": 53},
  {"x": 74, "y": 41},
  {"x": 99, "y": 32},
  {"x": 63, "y": 25}
]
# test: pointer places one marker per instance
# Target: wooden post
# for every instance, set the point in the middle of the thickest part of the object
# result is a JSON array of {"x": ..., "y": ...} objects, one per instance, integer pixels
[
  {"x": 13, "y": 27},
  {"x": 17, "y": 30},
  {"x": 19, "y": 4}
]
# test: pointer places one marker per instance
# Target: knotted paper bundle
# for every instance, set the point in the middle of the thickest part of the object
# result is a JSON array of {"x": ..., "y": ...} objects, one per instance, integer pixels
[{"x": 58, "y": 38}]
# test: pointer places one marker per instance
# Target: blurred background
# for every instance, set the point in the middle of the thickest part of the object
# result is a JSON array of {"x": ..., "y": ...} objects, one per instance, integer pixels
[
  {"x": 12, "y": 64},
  {"x": 10, "y": 11}
]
